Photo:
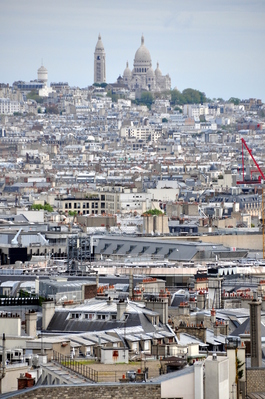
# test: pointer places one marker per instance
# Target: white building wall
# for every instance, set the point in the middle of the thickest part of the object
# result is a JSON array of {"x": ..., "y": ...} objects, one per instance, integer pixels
[
  {"x": 179, "y": 387},
  {"x": 10, "y": 326},
  {"x": 9, "y": 383},
  {"x": 231, "y": 354},
  {"x": 134, "y": 201},
  {"x": 198, "y": 381},
  {"x": 107, "y": 355},
  {"x": 32, "y": 216},
  {"x": 8, "y": 107},
  {"x": 217, "y": 378},
  {"x": 164, "y": 194}
]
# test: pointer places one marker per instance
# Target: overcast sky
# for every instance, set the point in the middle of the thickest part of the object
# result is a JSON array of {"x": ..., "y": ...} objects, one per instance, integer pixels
[{"x": 214, "y": 46}]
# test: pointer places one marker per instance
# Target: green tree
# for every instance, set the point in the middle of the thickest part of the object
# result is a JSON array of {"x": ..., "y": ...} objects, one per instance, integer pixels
[
  {"x": 234, "y": 100},
  {"x": 38, "y": 207},
  {"x": 52, "y": 109},
  {"x": 164, "y": 120},
  {"x": 178, "y": 109},
  {"x": 192, "y": 96},
  {"x": 33, "y": 95},
  {"x": 72, "y": 213},
  {"x": 153, "y": 212},
  {"x": 114, "y": 97},
  {"x": 176, "y": 98},
  {"x": 188, "y": 96},
  {"x": 103, "y": 85},
  {"x": 147, "y": 99}
]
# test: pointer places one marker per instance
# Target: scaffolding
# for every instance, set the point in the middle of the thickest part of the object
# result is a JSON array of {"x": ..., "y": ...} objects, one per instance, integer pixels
[{"x": 79, "y": 251}]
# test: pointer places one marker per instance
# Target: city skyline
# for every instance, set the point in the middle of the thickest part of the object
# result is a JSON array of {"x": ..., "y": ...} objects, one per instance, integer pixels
[{"x": 214, "y": 47}]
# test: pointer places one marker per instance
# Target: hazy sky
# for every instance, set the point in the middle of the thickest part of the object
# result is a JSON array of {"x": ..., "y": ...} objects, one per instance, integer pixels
[{"x": 213, "y": 46}]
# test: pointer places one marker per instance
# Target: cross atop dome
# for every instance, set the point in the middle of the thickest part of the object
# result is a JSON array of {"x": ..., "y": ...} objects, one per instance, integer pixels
[{"x": 142, "y": 39}]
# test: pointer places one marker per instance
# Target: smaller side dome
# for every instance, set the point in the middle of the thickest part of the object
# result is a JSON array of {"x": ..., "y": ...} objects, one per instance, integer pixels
[
  {"x": 158, "y": 70},
  {"x": 127, "y": 72}
]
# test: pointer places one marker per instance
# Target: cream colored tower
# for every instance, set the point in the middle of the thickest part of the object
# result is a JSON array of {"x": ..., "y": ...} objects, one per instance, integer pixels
[{"x": 99, "y": 62}]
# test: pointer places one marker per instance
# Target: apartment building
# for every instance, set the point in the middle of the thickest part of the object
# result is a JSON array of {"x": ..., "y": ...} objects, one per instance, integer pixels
[
  {"x": 82, "y": 204},
  {"x": 145, "y": 133},
  {"x": 8, "y": 106}
]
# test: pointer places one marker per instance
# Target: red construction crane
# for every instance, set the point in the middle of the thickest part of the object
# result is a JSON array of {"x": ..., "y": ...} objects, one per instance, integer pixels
[{"x": 252, "y": 181}]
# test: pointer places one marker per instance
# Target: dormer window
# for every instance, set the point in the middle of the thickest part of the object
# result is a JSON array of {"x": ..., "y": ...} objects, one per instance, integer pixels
[
  {"x": 89, "y": 316},
  {"x": 76, "y": 315}
]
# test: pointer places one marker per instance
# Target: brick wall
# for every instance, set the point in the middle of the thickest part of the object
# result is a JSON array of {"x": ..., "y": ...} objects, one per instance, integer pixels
[
  {"x": 90, "y": 291},
  {"x": 255, "y": 379},
  {"x": 198, "y": 332},
  {"x": 97, "y": 391}
]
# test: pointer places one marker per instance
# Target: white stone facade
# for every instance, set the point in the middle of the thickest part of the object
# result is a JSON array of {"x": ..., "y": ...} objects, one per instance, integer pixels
[
  {"x": 147, "y": 134},
  {"x": 8, "y": 106},
  {"x": 143, "y": 76}
]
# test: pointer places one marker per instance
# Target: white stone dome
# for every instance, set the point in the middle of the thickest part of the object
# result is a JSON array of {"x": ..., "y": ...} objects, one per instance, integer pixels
[
  {"x": 42, "y": 69},
  {"x": 142, "y": 55},
  {"x": 158, "y": 71},
  {"x": 127, "y": 72}
]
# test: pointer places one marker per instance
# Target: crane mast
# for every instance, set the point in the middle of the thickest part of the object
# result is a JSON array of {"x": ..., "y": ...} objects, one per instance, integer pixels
[{"x": 244, "y": 144}]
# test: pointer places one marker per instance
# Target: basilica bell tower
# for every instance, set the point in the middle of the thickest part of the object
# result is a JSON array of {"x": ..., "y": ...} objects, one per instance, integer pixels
[{"x": 99, "y": 62}]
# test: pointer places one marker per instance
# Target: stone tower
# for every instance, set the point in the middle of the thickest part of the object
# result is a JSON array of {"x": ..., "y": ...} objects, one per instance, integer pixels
[
  {"x": 99, "y": 62},
  {"x": 255, "y": 332}
]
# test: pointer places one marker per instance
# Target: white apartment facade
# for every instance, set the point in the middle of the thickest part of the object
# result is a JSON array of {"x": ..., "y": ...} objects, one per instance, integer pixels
[
  {"x": 8, "y": 107},
  {"x": 146, "y": 133}
]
